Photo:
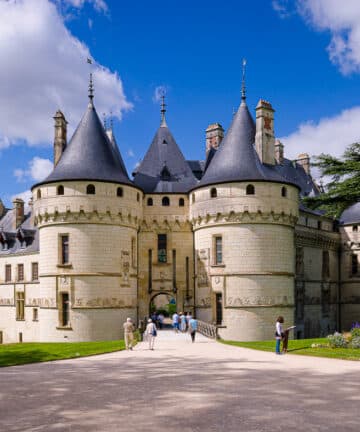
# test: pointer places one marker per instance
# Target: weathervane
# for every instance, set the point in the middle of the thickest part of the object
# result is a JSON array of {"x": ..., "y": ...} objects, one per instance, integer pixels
[
  {"x": 243, "y": 90},
  {"x": 163, "y": 109}
]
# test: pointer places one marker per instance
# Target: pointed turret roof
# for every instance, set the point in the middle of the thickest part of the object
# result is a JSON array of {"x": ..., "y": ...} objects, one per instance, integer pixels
[
  {"x": 164, "y": 168},
  {"x": 90, "y": 155},
  {"x": 236, "y": 159}
]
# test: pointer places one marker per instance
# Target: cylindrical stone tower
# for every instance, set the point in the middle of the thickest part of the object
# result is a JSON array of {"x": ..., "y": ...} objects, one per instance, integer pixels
[{"x": 243, "y": 213}]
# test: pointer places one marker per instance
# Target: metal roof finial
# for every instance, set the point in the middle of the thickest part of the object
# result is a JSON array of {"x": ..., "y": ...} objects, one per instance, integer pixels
[
  {"x": 104, "y": 120},
  {"x": 111, "y": 120},
  {"x": 163, "y": 110},
  {"x": 243, "y": 89},
  {"x": 91, "y": 89}
]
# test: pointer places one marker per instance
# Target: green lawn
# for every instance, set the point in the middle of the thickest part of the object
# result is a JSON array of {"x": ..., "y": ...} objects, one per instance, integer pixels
[
  {"x": 303, "y": 347},
  {"x": 22, "y": 353}
]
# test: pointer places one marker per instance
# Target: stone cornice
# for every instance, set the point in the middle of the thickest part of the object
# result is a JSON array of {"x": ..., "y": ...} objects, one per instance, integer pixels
[{"x": 318, "y": 239}]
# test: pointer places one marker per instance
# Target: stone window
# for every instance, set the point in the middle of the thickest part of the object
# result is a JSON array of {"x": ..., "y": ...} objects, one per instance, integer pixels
[
  {"x": 150, "y": 202},
  {"x": 34, "y": 271},
  {"x": 250, "y": 189},
  {"x": 133, "y": 251},
  {"x": 64, "y": 249},
  {"x": 90, "y": 189},
  {"x": 64, "y": 309},
  {"x": 137, "y": 197},
  {"x": 325, "y": 265},
  {"x": 218, "y": 254},
  {"x": 60, "y": 190},
  {"x": 193, "y": 197},
  {"x": 181, "y": 202},
  {"x": 20, "y": 305},
  {"x": 119, "y": 192},
  {"x": 38, "y": 194},
  {"x": 35, "y": 314},
  {"x": 354, "y": 264},
  {"x": 162, "y": 248},
  {"x": 165, "y": 201},
  {"x": 213, "y": 193},
  {"x": 8, "y": 273},
  {"x": 219, "y": 308},
  {"x": 283, "y": 191},
  {"x": 20, "y": 272},
  {"x": 319, "y": 226},
  {"x": 355, "y": 228}
]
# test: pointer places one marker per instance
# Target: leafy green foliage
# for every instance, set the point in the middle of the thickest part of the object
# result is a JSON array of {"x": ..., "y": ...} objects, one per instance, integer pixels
[
  {"x": 343, "y": 188},
  {"x": 337, "y": 340}
]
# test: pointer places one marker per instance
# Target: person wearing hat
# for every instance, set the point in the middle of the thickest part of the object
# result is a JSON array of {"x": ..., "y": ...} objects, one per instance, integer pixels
[
  {"x": 151, "y": 333},
  {"x": 129, "y": 334}
]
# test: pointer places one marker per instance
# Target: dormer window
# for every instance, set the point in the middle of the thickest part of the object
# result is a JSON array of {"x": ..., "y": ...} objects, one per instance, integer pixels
[
  {"x": 213, "y": 193},
  {"x": 119, "y": 192},
  {"x": 250, "y": 189},
  {"x": 165, "y": 174},
  {"x": 90, "y": 189},
  {"x": 150, "y": 202},
  {"x": 283, "y": 191},
  {"x": 60, "y": 190},
  {"x": 21, "y": 237},
  {"x": 165, "y": 201}
]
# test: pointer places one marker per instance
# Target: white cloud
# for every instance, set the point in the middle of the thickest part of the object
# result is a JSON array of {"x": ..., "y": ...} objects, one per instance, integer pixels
[
  {"x": 330, "y": 135},
  {"x": 159, "y": 91},
  {"x": 37, "y": 170},
  {"x": 130, "y": 153},
  {"x": 340, "y": 18},
  {"x": 25, "y": 196},
  {"x": 44, "y": 68},
  {"x": 99, "y": 5}
]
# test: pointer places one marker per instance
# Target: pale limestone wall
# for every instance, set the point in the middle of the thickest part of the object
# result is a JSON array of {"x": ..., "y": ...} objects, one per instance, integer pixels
[
  {"x": 350, "y": 283},
  {"x": 256, "y": 278},
  {"x": 101, "y": 278},
  {"x": 8, "y": 323},
  {"x": 173, "y": 221}
]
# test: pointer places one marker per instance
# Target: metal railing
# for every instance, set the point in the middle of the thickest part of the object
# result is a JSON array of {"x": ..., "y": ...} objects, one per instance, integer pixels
[{"x": 207, "y": 329}]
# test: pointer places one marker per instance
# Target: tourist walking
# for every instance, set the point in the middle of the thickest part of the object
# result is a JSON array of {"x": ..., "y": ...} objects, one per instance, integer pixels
[
  {"x": 175, "y": 322},
  {"x": 161, "y": 320},
  {"x": 129, "y": 329},
  {"x": 151, "y": 333},
  {"x": 183, "y": 323},
  {"x": 188, "y": 318},
  {"x": 279, "y": 333},
  {"x": 193, "y": 328}
]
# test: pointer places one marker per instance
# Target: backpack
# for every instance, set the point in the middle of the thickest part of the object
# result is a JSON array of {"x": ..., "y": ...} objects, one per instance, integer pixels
[{"x": 154, "y": 332}]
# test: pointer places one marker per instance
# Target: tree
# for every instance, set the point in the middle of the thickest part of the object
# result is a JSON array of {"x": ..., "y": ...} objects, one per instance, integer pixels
[{"x": 343, "y": 189}]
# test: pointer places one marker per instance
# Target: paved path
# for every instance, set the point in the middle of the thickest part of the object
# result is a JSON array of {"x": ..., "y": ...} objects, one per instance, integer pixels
[{"x": 180, "y": 386}]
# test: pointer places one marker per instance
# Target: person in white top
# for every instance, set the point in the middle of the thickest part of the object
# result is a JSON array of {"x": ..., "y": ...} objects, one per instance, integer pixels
[
  {"x": 151, "y": 333},
  {"x": 278, "y": 333}
]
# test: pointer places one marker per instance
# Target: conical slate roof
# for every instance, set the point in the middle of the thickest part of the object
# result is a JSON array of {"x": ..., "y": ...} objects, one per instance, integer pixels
[
  {"x": 236, "y": 159},
  {"x": 90, "y": 155},
  {"x": 351, "y": 215},
  {"x": 164, "y": 168}
]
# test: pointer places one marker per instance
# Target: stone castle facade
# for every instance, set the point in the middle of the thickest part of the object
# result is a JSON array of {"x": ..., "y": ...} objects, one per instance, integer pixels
[{"x": 227, "y": 237}]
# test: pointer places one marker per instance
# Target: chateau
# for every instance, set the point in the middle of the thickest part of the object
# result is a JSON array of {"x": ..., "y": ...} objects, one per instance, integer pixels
[{"x": 227, "y": 238}]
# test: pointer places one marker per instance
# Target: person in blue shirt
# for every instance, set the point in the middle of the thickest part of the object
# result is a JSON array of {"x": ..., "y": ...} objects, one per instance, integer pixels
[{"x": 193, "y": 328}]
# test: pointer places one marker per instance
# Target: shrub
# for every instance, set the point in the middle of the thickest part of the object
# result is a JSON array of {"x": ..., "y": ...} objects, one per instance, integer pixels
[
  {"x": 355, "y": 330},
  {"x": 355, "y": 343},
  {"x": 337, "y": 340}
]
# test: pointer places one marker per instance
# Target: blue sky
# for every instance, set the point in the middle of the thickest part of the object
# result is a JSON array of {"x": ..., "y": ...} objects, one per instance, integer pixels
[{"x": 302, "y": 55}]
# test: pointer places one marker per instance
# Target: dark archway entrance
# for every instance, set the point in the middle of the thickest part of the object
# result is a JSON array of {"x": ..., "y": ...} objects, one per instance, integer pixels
[{"x": 163, "y": 302}]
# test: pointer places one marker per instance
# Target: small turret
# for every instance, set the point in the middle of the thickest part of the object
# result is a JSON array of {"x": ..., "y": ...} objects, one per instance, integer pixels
[{"x": 60, "y": 136}]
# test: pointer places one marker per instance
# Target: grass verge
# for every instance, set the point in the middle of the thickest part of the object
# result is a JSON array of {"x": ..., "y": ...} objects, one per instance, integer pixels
[
  {"x": 302, "y": 347},
  {"x": 23, "y": 353}
]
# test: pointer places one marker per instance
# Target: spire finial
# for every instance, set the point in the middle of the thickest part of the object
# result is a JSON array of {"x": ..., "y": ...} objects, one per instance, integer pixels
[
  {"x": 111, "y": 120},
  {"x": 91, "y": 89},
  {"x": 104, "y": 121},
  {"x": 243, "y": 89},
  {"x": 163, "y": 110}
]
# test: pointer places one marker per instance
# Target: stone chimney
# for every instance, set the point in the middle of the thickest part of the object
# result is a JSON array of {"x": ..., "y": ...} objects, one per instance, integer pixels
[
  {"x": 60, "y": 136},
  {"x": 31, "y": 210},
  {"x": 19, "y": 212},
  {"x": 265, "y": 138},
  {"x": 2, "y": 208},
  {"x": 214, "y": 136},
  {"x": 304, "y": 160},
  {"x": 279, "y": 152}
]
